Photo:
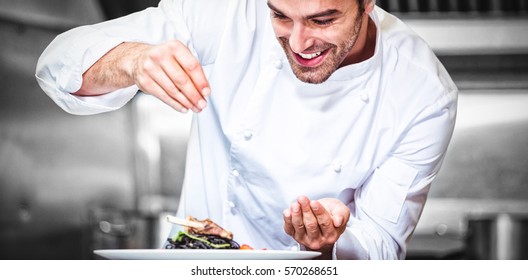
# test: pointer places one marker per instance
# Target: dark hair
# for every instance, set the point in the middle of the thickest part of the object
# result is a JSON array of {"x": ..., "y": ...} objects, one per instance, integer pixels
[{"x": 361, "y": 5}]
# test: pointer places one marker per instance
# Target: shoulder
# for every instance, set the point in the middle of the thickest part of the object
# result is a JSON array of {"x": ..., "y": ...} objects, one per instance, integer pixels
[
  {"x": 409, "y": 58},
  {"x": 210, "y": 24},
  {"x": 398, "y": 39},
  {"x": 414, "y": 80},
  {"x": 209, "y": 12}
]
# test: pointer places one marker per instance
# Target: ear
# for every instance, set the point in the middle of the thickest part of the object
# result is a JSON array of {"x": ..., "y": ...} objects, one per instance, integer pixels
[{"x": 369, "y": 6}]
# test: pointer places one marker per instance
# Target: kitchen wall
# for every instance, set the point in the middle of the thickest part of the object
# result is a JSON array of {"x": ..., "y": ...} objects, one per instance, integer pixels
[{"x": 55, "y": 168}]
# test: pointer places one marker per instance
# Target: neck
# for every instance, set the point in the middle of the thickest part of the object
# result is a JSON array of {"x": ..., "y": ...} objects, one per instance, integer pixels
[{"x": 366, "y": 43}]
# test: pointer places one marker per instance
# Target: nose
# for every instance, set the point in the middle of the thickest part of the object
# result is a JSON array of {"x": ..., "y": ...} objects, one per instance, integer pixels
[{"x": 300, "y": 38}]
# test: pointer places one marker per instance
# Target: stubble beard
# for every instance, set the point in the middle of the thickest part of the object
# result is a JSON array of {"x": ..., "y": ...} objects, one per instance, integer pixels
[{"x": 335, "y": 57}]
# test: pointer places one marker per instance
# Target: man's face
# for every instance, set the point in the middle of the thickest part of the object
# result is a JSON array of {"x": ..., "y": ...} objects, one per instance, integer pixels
[{"x": 316, "y": 35}]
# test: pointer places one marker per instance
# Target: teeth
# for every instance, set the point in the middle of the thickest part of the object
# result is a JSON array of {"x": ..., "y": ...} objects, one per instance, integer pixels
[{"x": 309, "y": 55}]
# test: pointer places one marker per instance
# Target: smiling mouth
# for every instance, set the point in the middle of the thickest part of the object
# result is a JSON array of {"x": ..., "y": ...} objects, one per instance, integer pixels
[
  {"x": 310, "y": 59},
  {"x": 310, "y": 55}
]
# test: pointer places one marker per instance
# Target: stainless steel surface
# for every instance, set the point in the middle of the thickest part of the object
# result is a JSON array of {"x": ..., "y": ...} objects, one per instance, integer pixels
[
  {"x": 443, "y": 230},
  {"x": 488, "y": 156},
  {"x": 56, "y": 15},
  {"x": 498, "y": 236},
  {"x": 471, "y": 36},
  {"x": 449, "y": 7}
]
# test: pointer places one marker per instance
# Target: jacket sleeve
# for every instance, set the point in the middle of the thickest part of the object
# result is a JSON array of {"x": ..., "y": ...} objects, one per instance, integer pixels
[{"x": 61, "y": 65}]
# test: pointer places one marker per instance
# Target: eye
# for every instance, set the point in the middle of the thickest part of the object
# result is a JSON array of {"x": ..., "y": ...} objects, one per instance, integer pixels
[
  {"x": 278, "y": 16},
  {"x": 323, "y": 22}
]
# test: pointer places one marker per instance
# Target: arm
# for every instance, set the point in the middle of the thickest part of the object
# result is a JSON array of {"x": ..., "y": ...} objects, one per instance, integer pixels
[
  {"x": 73, "y": 61},
  {"x": 112, "y": 71},
  {"x": 168, "y": 71}
]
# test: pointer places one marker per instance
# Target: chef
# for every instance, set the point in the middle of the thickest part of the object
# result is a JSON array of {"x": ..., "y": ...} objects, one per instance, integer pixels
[{"x": 317, "y": 124}]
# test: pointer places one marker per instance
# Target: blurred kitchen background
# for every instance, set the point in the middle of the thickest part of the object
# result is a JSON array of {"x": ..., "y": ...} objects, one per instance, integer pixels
[{"x": 71, "y": 184}]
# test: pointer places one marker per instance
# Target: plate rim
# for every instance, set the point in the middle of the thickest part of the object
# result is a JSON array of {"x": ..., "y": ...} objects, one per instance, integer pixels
[{"x": 211, "y": 254}]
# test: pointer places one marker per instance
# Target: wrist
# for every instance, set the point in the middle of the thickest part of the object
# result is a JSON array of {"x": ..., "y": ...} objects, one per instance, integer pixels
[{"x": 327, "y": 252}]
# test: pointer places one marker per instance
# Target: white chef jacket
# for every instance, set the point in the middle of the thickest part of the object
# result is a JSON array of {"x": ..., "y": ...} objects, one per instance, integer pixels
[{"x": 374, "y": 135}]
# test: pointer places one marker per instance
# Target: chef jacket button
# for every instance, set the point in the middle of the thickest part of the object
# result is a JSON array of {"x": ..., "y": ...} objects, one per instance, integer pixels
[
  {"x": 235, "y": 172},
  {"x": 248, "y": 135},
  {"x": 337, "y": 167},
  {"x": 230, "y": 204},
  {"x": 364, "y": 97},
  {"x": 278, "y": 64}
]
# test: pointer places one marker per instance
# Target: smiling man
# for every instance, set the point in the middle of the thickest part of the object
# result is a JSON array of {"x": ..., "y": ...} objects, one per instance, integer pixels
[
  {"x": 320, "y": 36},
  {"x": 319, "y": 124}
]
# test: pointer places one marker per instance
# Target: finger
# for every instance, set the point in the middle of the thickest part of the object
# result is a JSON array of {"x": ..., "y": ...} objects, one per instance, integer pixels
[
  {"x": 288, "y": 226},
  {"x": 297, "y": 221},
  {"x": 192, "y": 67},
  {"x": 153, "y": 80},
  {"x": 179, "y": 79},
  {"x": 338, "y": 221},
  {"x": 310, "y": 221},
  {"x": 154, "y": 89},
  {"x": 170, "y": 89},
  {"x": 324, "y": 219},
  {"x": 341, "y": 215}
]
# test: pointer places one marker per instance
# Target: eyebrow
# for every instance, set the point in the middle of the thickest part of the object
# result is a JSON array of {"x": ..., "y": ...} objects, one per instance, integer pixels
[{"x": 329, "y": 12}]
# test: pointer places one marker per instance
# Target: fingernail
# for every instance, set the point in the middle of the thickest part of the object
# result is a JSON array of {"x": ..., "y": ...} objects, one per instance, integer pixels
[
  {"x": 184, "y": 111},
  {"x": 202, "y": 104},
  {"x": 206, "y": 91},
  {"x": 339, "y": 221}
]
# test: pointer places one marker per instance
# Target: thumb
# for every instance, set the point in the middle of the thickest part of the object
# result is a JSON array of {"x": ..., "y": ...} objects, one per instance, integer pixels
[{"x": 338, "y": 220}]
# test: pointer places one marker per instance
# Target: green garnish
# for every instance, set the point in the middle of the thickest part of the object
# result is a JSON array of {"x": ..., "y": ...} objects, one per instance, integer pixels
[{"x": 181, "y": 235}]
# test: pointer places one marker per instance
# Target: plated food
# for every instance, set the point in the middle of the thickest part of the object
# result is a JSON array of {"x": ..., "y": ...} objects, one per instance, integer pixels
[
  {"x": 186, "y": 240},
  {"x": 202, "y": 234},
  {"x": 192, "y": 254},
  {"x": 195, "y": 242}
]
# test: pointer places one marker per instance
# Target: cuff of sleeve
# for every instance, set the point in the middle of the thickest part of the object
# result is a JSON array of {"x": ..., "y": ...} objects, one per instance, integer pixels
[
  {"x": 88, "y": 105},
  {"x": 77, "y": 59},
  {"x": 60, "y": 74},
  {"x": 351, "y": 246},
  {"x": 109, "y": 101}
]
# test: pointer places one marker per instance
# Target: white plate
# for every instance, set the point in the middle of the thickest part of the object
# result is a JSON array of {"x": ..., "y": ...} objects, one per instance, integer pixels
[{"x": 203, "y": 254}]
